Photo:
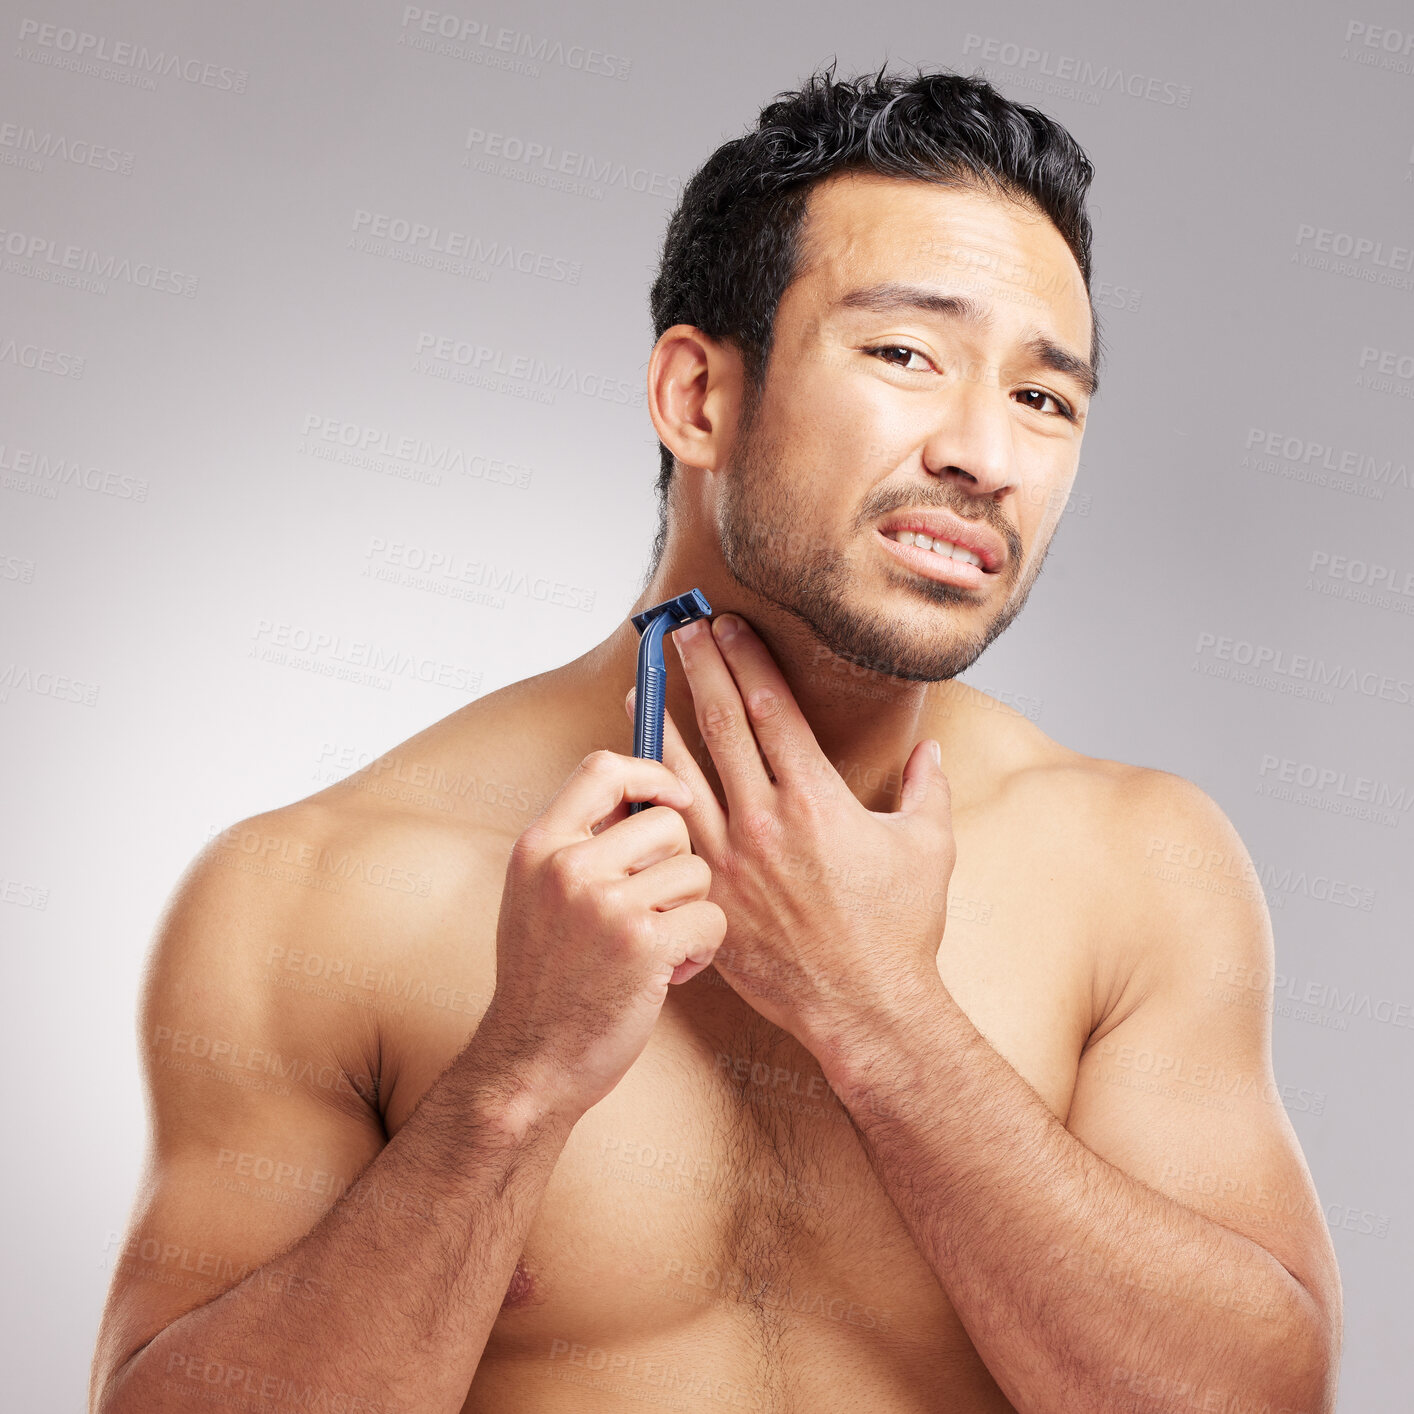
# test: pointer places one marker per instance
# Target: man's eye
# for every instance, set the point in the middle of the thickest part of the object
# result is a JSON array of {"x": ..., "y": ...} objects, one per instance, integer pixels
[
  {"x": 1062, "y": 410},
  {"x": 903, "y": 349}
]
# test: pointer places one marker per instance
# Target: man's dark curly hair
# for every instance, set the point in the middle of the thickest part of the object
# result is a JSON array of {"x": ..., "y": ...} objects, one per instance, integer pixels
[{"x": 733, "y": 243}]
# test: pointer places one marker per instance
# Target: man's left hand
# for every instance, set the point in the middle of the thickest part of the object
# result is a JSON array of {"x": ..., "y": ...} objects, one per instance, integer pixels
[{"x": 834, "y": 912}]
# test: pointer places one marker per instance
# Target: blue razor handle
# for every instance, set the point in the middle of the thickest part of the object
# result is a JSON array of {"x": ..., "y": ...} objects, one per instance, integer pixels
[{"x": 653, "y": 626}]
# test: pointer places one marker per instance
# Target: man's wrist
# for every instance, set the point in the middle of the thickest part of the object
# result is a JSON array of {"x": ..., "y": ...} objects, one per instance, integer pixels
[
  {"x": 518, "y": 1095},
  {"x": 524, "y": 1113},
  {"x": 858, "y": 1041}
]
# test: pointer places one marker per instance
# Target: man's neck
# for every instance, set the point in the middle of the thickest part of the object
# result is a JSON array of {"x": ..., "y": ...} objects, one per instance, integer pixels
[{"x": 866, "y": 723}]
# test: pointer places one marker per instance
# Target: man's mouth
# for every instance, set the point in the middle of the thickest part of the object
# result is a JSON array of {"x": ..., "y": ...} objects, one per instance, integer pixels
[
  {"x": 938, "y": 547},
  {"x": 940, "y": 560},
  {"x": 950, "y": 537}
]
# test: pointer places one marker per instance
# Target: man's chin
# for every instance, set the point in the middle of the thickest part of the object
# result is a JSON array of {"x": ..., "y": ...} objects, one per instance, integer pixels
[
  {"x": 871, "y": 650},
  {"x": 910, "y": 669}
]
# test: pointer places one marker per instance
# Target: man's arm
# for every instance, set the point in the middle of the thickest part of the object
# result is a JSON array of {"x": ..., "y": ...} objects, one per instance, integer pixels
[
  {"x": 384, "y": 1301},
  {"x": 1086, "y": 1260},
  {"x": 1012, "y": 1210}
]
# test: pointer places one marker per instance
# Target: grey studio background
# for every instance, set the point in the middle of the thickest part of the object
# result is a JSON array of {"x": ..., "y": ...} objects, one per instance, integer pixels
[{"x": 336, "y": 421}]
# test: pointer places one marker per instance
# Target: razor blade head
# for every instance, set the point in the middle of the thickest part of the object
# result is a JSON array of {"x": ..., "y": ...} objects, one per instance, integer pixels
[{"x": 679, "y": 611}]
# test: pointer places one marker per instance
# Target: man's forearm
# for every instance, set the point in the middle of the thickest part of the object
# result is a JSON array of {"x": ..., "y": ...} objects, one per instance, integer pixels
[
  {"x": 1079, "y": 1286},
  {"x": 412, "y": 1264}
]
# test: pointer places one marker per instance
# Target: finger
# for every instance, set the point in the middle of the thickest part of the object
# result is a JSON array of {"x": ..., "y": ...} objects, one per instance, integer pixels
[
  {"x": 683, "y": 878},
  {"x": 697, "y": 932},
  {"x": 926, "y": 789},
  {"x": 706, "y": 821},
  {"x": 639, "y": 841},
  {"x": 792, "y": 753},
  {"x": 603, "y": 781},
  {"x": 722, "y": 720}
]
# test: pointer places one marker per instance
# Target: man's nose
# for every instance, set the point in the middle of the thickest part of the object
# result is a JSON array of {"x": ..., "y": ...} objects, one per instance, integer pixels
[{"x": 972, "y": 444}]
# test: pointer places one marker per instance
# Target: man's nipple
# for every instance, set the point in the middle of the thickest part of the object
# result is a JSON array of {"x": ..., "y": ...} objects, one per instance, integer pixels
[{"x": 521, "y": 1287}]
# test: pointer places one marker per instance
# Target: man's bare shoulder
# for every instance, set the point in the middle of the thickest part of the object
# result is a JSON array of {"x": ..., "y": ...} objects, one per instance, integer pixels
[
  {"x": 1025, "y": 763},
  {"x": 388, "y": 879},
  {"x": 1117, "y": 838},
  {"x": 430, "y": 819},
  {"x": 490, "y": 765},
  {"x": 1144, "y": 861},
  {"x": 1006, "y": 761}
]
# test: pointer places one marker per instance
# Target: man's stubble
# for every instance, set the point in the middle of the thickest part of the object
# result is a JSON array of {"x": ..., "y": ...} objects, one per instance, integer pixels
[{"x": 760, "y": 520}]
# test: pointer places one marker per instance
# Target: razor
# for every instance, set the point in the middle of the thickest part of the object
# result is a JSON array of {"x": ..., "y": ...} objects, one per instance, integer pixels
[{"x": 653, "y": 626}]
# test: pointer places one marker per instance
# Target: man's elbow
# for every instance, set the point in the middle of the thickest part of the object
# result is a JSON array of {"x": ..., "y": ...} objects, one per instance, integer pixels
[
  {"x": 111, "y": 1379},
  {"x": 1305, "y": 1356}
]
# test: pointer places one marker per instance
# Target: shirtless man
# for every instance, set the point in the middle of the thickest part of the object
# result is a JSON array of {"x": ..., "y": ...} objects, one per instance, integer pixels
[{"x": 473, "y": 1091}]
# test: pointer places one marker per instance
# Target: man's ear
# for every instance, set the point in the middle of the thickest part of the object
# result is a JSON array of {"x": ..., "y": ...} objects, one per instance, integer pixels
[{"x": 695, "y": 385}]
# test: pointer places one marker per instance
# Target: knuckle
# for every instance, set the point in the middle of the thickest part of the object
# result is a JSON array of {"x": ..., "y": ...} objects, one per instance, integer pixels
[
  {"x": 639, "y": 930},
  {"x": 669, "y": 828},
  {"x": 764, "y": 704},
  {"x": 609, "y": 900},
  {"x": 600, "y": 762},
  {"x": 717, "y": 722},
  {"x": 803, "y": 790},
  {"x": 528, "y": 846},
  {"x": 714, "y": 922},
  {"x": 570, "y": 867},
  {"x": 678, "y": 832},
  {"x": 759, "y": 828},
  {"x": 699, "y": 875}
]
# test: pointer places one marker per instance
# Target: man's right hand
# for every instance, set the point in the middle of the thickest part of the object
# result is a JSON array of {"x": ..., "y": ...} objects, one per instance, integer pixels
[{"x": 601, "y": 911}]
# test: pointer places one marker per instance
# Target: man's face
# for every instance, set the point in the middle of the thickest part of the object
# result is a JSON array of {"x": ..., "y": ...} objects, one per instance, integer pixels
[{"x": 877, "y": 412}]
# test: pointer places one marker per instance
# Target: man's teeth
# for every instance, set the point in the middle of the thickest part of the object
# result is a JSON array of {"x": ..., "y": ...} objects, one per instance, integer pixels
[{"x": 938, "y": 547}]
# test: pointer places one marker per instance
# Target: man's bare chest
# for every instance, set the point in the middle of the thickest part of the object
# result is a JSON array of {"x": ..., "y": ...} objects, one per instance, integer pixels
[{"x": 721, "y": 1190}]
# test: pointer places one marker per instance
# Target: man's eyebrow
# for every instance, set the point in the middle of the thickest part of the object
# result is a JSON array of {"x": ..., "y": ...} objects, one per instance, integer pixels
[{"x": 889, "y": 296}]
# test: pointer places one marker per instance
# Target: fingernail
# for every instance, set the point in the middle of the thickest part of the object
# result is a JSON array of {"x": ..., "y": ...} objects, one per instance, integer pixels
[
  {"x": 726, "y": 626},
  {"x": 937, "y": 753}
]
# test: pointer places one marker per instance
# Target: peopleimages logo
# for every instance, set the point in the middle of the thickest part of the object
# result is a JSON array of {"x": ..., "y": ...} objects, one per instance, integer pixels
[
  {"x": 523, "y": 373},
  {"x": 448, "y": 572},
  {"x": 458, "y": 37},
  {"x": 42, "y": 469},
  {"x": 330, "y": 436},
  {"x": 1313, "y": 458},
  {"x": 20, "y": 677},
  {"x": 438, "y": 247},
  {"x": 330, "y": 654},
  {"x": 1074, "y": 69},
  {"x": 44, "y": 258},
  {"x": 544, "y": 161},
  {"x": 41, "y": 359},
  {"x": 60, "y": 47},
  {"x": 1298, "y": 673},
  {"x": 30, "y": 147},
  {"x": 1332, "y": 778}
]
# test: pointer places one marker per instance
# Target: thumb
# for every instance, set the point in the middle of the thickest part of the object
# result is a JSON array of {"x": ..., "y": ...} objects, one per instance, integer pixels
[{"x": 925, "y": 787}]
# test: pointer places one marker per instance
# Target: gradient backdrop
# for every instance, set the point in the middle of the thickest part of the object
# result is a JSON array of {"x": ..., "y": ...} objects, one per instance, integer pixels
[{"x": 323, "y": 338}]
